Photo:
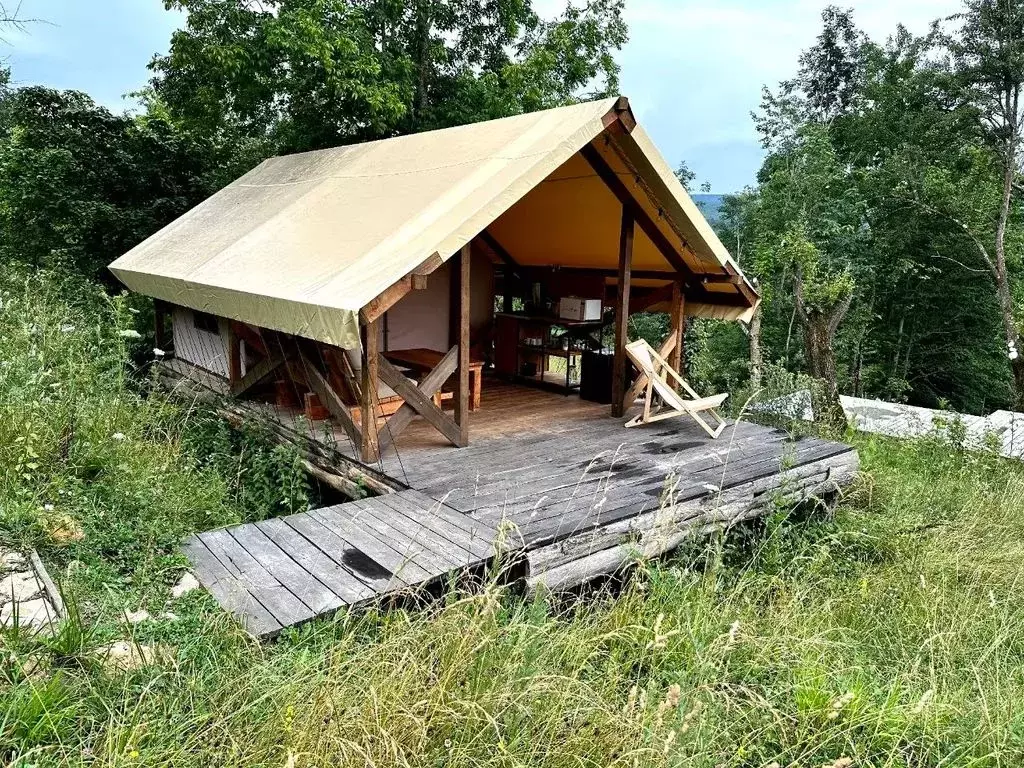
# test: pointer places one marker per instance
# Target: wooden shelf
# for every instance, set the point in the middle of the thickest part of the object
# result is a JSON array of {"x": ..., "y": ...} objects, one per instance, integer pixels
[
  {"x": 552, "y": 351},
  {"x": 543, "y": 320}
]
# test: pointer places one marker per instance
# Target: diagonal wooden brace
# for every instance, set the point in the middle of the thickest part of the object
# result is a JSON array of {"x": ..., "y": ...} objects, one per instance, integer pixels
[
  {"x": 419, "y": 400},
  {"x": 258, "y": 373},
  {"x": 317, "y": 382}
]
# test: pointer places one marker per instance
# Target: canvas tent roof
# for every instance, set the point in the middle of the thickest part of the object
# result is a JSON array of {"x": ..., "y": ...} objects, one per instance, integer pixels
[{"x": 302, "y": 242}]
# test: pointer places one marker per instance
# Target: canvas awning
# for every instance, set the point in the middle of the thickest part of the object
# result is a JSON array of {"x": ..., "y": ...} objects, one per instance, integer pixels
[{"x": 303, "y": 242}]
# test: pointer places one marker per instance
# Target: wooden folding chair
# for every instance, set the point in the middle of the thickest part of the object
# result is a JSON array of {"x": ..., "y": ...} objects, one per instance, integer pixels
[{"x": 672, "y": 404}]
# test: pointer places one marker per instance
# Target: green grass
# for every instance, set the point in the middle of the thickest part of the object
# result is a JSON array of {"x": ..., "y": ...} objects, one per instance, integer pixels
[{"x": 890, "y": 634}]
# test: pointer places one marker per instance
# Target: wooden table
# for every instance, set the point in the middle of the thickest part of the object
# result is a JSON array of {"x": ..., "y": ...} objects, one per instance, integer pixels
[{"x": 421, "y": 360}]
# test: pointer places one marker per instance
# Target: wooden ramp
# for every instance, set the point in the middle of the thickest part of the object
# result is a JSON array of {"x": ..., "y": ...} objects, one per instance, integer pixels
[{"x": 281, "y": 572}]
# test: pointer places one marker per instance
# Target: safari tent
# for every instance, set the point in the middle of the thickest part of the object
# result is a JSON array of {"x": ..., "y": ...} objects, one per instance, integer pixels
[{"x": 386, "y": 283}]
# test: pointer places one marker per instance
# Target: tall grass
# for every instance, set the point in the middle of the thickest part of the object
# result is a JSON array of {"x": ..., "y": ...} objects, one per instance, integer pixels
[{"x": 887, "y": 635}]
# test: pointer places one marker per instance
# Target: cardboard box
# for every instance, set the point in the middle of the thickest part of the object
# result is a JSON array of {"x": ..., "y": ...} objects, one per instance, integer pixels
[{"x": 575, "y": 308}]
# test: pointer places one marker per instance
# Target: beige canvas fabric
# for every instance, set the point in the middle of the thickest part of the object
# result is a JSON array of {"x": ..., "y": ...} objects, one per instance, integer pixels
[{"x": 302, "y": 242}]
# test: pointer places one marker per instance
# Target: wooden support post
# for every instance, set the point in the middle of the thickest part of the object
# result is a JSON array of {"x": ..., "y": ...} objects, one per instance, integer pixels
[
  {"x": 233, "y": 348},
  {"x": 462, "y": 388},
  {"x": 160, "y": 313},
  {"x": 622, "y": 311},
  {"x": 677, "y": 326},
  {"x": 370, "y": 450}
]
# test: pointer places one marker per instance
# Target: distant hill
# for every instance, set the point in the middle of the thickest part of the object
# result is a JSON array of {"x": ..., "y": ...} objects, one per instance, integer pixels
[{"x": 710, "y": 206}]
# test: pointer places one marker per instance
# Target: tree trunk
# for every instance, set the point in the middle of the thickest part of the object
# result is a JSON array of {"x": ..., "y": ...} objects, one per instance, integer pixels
[
  {"x": 1013, "y": 339},
  {"x": 756, "y": 361},
  {"x": 821, "y": 364},
  {"x": 819, "y": 334}
]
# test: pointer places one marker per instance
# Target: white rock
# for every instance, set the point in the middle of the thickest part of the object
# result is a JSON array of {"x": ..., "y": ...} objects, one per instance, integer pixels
[
  {"x": 187, "y": 584},
  {"x": 124, "y": 655},
  {"x": 19, "y": 586},
  {"x": 37, "y": 614},
  {"x": 137, "y": 617},
  {"x": 12, "y": 561}
]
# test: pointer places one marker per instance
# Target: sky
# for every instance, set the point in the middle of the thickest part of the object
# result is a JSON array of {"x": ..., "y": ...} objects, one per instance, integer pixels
[{"x": 693, "y": 69}]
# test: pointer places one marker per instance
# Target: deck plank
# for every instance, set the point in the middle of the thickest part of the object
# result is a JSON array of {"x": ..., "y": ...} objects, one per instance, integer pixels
[
  {"x": 360, "y": 562},
  {"x": 285, "y": 607},
  {"x": 347, "y": 524},
  {"x": 229, "y": 592},
  {"x": 298, "y": 580},
  {"x": 340, "y": 580}
]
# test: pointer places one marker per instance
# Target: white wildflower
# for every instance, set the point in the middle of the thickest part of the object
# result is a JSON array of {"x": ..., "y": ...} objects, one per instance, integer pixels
[
  {"x": 119, "y": 436},
  {"x": 734, "y": 630},
  {"x": 129, "y": 333},
  {"x": 923, "y": 701},
  {"x": 48, "y": 507},
  {"x": 668, "y": 742}
]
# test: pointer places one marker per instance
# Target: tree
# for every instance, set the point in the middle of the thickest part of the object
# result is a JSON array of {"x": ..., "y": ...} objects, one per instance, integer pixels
[
  {"x": 810, "y": 240},
  {"x": 827, "y": 85},
  {"x": 79, "y": 185},
  {"x": 305, "y": 74},
  {"x": 988, "y": 75},
  {"x": 685, "y": 175}
]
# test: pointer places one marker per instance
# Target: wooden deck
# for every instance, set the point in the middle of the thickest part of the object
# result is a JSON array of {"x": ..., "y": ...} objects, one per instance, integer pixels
[
  {"x": 284, "y": 571},
  {"x": 550, "y": 477}
]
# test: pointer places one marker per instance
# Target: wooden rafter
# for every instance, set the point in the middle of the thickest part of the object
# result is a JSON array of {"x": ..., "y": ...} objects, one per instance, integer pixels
[
  {"x": 657, "y": 236},
  {"x": 376, "y": 308}
]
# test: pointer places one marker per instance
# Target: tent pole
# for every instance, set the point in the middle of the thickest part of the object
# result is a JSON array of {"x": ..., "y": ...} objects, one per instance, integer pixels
[
  {"x": 462, "y": 389},
  {"x": 622, "y": 311}
]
